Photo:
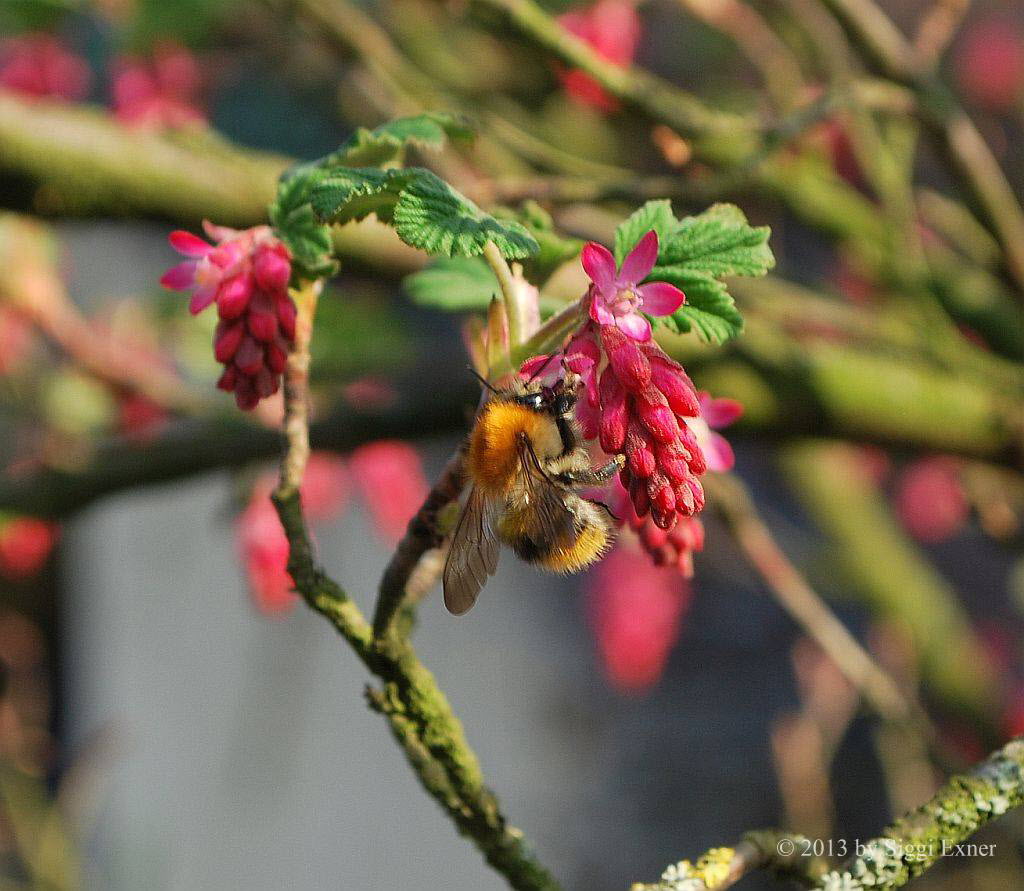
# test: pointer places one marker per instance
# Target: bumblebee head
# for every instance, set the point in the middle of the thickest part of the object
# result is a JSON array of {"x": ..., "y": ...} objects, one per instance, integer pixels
[{"x": 557, "y": 400}]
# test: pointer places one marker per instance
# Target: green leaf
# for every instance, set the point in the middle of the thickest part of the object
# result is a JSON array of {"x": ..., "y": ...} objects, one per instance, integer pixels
[
  {"x": 656, "y": 215},
  {"x": 343, "y": 194},
  {"x": 426, "y": 212},
  {"x": 454, "y": 284},
  {"x": 370, "y": 148},
  {"x": 554, "y": 249},
  {"x": 432, "y": 216},
  {"x": 709, "y": 308},
  {"x": 719, "y": 241},
  {"x": 292, "y": 217}
]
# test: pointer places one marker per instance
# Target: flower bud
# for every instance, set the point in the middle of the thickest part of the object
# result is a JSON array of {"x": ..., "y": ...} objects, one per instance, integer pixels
[
  {"x": 272, "y": 268},
  {"x": 614, "y": 412},
  {"x": 233, "y": 297},
  {"x": 226, "y": 340}
]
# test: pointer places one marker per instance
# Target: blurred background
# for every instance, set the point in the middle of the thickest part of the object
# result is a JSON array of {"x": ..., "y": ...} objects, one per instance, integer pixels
[{"x": 172, "y": 717}]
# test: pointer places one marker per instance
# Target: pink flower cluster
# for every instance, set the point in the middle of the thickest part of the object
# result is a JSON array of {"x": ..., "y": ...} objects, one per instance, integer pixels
[
  {"x": 640, "y": 402},
  {"x": 612, "y": 28},
  {"x": 246, "y": 274},
  {"x": 675, "y": 547},
  {"x": 39, "y": 65},
  {"x": 637, "y": 407}
]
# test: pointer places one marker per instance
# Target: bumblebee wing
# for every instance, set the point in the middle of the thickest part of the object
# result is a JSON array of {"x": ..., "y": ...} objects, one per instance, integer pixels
[
  {"x": 473, "y": 555},
  {"x": 551, "y": 520}
]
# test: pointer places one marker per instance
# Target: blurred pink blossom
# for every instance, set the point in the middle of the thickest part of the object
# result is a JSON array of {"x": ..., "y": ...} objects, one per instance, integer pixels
[
  {"x": 261, "y": 541},
  {"x": 161, "y": 93},
  {"x": 15, "y": 339},
  {"x": 636, "y": 611},
  {"x": 40, "y": 65},
  {"x": 930, "y": 499},
  {"x": 612, "y": 28},
  {"x": 989, "y": 64},
  {"x": 25, "y": 545},
  {"x": 389, "y": 474}
]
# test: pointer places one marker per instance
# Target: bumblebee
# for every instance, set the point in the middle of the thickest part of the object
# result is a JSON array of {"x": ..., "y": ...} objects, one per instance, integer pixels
[{"x": 526, "y": 462}]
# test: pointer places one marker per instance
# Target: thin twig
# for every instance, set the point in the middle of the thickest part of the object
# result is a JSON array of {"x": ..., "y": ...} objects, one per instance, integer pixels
[
  {"x": 417, "y": 711},
  {"x": 731, "y": 499},
  {"x": 422, "y": 535}
]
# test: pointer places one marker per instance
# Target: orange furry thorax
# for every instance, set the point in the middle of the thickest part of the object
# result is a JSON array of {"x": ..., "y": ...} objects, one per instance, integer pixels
[{"x": 494, "y": 444}]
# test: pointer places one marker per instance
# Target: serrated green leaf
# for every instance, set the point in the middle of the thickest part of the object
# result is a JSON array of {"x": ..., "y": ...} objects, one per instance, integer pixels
[
  {"x": 343, "y": 194},
  {"x": 426, "y": 212},
  {"x": 694, "y": 254},
  {"x": 656, "y": 215},
  {"x": 454, "y": 284},
  {"x": 369, "y": 148},
  {"x": 432, "y": 216},
  {"x": 719, "y": 241},
  {"x": 709, "y": 308},
  {"x": 306, "y": 237}
]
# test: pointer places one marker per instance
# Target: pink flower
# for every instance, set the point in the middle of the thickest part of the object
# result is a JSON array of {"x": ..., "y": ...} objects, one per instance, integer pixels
[
  {"x": 25, "y": 545},
  {"x": 636, "y": 611},
  {"x": 617, "y": 297},
  {"x": 389, "y": 474},
  {"x": 261, "y": 541},
  {"x": 39, "y": 65},
  {"x": 990, "y": 64},
  {"x": 246, "y": 273},
  {"x": 612, "y": 28},
  {"x": 160, "y": 94},
  {"x": 930, "y": 499},
  {"x": 715, "y": 413}
]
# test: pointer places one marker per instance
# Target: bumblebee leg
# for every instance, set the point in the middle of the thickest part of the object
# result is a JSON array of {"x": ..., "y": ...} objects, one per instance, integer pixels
[{"x": 592, "y": 476}]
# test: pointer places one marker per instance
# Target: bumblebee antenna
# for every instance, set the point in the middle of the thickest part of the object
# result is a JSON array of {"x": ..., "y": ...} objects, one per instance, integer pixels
[
  {"x": 486, "y": 383},
  {"x": 544, "y": 365}
]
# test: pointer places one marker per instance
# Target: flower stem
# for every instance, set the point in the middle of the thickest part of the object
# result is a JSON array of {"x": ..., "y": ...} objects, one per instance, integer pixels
[
  {"x": 296, "y": 390},
  {"x": 506, "y": 281}
]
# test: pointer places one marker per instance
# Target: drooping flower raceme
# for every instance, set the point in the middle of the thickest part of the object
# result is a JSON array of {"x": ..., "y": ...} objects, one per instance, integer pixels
[
  {"x": 636, "y": 399},
  {"x": 246, "y": 274}
]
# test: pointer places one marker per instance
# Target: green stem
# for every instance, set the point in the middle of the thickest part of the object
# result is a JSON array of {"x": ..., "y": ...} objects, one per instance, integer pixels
[{"x": 506, "y": 281}]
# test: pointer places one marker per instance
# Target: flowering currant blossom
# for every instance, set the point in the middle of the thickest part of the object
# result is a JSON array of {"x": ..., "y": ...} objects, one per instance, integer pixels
[
  {"x": 636, "y": 399},
  {"x": 930, "y": 499},
  {"x": 676, "y": 546},
  {"x": 390, "y": 477},
  {"x": 636, "y": 611},
  {"x": 612, "y": 28},
  {"x": 246, "y": 274},
  {"x": 616, "y": 295},
  {"x": 39, "y": 65},
  {"x": 161, "y": 94}
]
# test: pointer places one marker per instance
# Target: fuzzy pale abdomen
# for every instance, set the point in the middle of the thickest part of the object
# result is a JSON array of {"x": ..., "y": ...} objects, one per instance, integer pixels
[
  {"x": 493, "y": 459},
  {"x": 585, "y": 542}
]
